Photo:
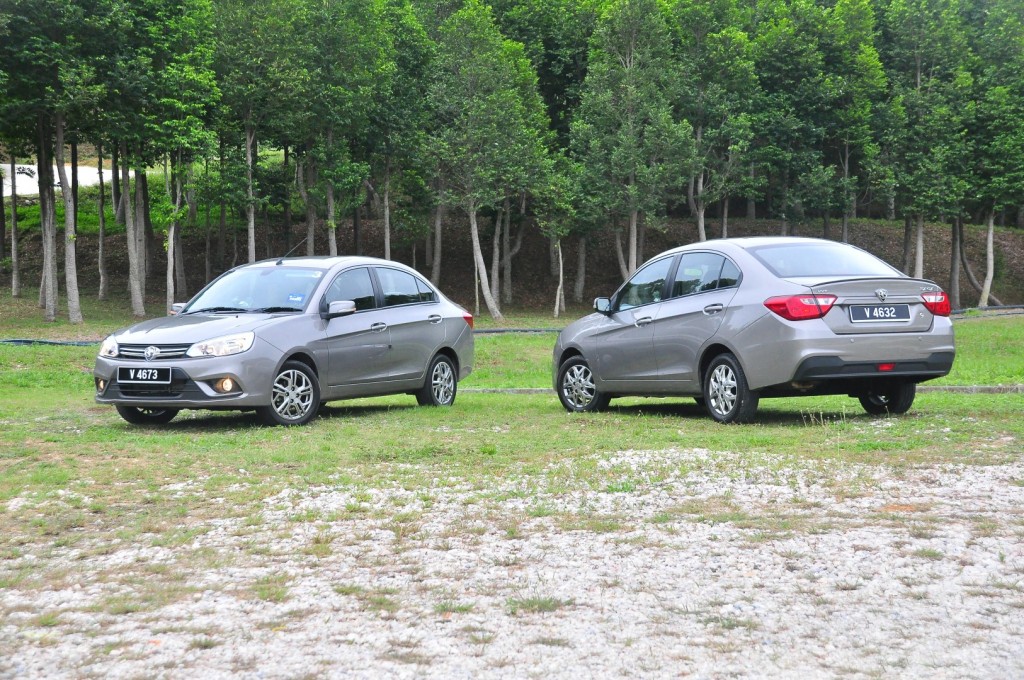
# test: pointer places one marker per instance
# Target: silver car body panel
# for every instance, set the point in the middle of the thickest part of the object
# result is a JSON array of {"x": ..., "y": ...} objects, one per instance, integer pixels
[
  {"x": 660, "y": 348},
  {"x": 353, "y": 355}
]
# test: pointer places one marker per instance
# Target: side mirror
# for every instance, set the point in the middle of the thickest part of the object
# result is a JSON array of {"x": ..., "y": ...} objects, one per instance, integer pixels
[
  {"x": 176, "y": 309},
  {"x": 602, "y": 305},
  {"x": 339, "y": 308}
]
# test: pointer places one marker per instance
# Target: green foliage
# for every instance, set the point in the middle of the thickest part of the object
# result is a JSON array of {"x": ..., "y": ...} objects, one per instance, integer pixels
[{"x": 634, "y": 153}]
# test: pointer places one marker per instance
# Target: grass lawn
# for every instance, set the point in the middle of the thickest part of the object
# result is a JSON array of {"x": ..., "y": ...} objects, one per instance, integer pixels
[
  {"x": 113, "y": 538},
  {"x": 55, "y": 440}
]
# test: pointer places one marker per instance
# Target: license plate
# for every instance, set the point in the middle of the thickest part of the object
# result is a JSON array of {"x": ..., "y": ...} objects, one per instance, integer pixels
[
  {"x": 879, "y": 313},
  {"x": 143, "y": 375}
]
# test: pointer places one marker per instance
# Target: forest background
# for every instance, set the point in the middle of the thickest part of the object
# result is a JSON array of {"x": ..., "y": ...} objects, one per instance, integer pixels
[{"x": 460, "y": 127}]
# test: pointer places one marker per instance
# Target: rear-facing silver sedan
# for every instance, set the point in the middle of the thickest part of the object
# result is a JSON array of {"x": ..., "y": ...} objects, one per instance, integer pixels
[
  {"x": 732, "y": 321},
  {"x": 283, "y": 336}
]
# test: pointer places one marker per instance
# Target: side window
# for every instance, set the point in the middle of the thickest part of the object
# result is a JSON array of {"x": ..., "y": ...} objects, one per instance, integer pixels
[
  {"x": 730, "y": 275},
  {"x": 354, "y": 285},
  {"x": 697, "y": 272},
  {"x": 399, "y": 287},
  {"x": 646, "y": 286},
  {"x": 427, "y": 293}
]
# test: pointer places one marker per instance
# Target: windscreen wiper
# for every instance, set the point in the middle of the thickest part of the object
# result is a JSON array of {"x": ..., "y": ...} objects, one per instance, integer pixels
[
  {"x": 274, "y": 310},
  {"x": 215, "y": 310}
]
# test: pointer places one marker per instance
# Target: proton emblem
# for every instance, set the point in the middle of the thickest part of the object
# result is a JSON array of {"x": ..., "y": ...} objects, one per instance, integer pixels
[
  {"x": 151, "y": 353},
  {"x": 882, "y": 293}
]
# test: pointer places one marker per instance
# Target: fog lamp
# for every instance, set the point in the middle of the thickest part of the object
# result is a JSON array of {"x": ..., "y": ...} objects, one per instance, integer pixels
[{"x": 224, "y": 385}]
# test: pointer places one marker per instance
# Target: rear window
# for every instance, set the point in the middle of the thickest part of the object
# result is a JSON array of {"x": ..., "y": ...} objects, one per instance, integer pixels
[{"x": 820, "y": 259}]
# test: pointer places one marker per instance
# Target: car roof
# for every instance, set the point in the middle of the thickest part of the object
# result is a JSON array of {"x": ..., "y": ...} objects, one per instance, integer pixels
[
  {"x": 325, "y": 261},
  {"x": 748, "y": 242}
]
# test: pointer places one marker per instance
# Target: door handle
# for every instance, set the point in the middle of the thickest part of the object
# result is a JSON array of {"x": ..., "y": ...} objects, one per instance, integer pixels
[
  {"x": 434, "y": 318},
  {"x": 379, "y": 327},
  {"x": 714, "y": 309},
  {"x": 643, "y": 321}
]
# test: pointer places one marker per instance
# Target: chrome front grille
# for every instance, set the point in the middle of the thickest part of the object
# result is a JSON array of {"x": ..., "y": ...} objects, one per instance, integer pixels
[{"x": 139, "y": 351}]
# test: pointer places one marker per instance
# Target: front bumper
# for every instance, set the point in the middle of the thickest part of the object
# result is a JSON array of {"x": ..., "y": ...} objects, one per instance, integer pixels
[{"x": 192, "y": 384}]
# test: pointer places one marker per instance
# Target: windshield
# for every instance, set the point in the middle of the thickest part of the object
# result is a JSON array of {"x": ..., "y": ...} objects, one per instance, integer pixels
[
  {"x": 258, "y": 289},
  {"x": 821, "y": 259}
]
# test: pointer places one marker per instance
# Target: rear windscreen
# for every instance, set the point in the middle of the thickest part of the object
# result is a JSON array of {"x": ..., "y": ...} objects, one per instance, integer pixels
[{"x": 820, "y": 259}]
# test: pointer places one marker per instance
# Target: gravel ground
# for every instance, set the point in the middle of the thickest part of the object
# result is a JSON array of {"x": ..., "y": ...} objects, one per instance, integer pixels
[{"x": 689, "y": 562}]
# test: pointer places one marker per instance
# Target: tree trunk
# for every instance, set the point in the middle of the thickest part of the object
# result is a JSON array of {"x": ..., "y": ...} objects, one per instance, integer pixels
[
  {"x": 209, "y": 237},
  {"x": 552, "y": 257},
  {"x": 435, "y": 267},
  {"x": 332, "y": 225},
  {"x": 131, "y": 240},
  {"x": 180, "y": 283},
  {"x": 481, "y": 267},
  {"x": 725, "y": 217},
  {"x": 620, "y": 257},
  {"x": 141, "y": 242},
  {"x": 286, "y": 206},
  {"x": 101, "y": 259},
  {"x": 919, "y": 253},
  {"x": 699, "y": 206},
  {"x": 3, "y": 220},
  {"x": 990, "y": 261},
  {"x": 172, "y": 234},
  {"x": 250, "y": 198},
  {"x": 826, "y": 225},
  {"x": 751, "y": 203},
  {"x": 115, "y": 190},
  {"x": 496, "y": 257},
  {"x": 968, "y": 271},
  {"x": 303, "y": 180},
  {"x": 581, "y": 270},
  {"x": 387, "y": 209},
  {"x": 908, "y": 242},
  {"x": 74, "y": 181},
  {"x": 15, "y": 267},
  {"x": 222, "y": 235},
  {"x": 634, "y": 217},
  {"x": 559, "y": 294},
  {"x": 357, "y": 230},
  {"x": 47, "y": 210},
  {"x": 954, "y": 266},
  {"x": 70, "y": 251},
  {"x": 507, "y": 254}
]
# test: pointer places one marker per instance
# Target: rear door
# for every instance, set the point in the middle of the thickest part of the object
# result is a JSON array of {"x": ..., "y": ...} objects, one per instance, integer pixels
[
  {"x": 702, "y": 288},
  {"x": 415, "y": 321}
]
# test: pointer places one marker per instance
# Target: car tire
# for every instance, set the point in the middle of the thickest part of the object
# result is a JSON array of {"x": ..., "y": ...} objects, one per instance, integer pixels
[
  {"x": 727, "y": 398},
  {"x": 576, "y": 389},
  {"x": 146, "y": 416},
  {"x": 891, "y": 399},
  {"x": 294, "y": 396},
  {"x": 441, "y": 385}
]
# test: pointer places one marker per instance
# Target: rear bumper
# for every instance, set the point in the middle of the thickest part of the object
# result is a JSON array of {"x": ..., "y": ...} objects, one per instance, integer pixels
[{"x": 934, "y": 365}]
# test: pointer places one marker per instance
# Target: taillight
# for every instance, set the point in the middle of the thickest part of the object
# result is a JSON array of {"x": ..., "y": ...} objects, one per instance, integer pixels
[
  {"x": 469, "y": 319},
  {"x": 801, "y": 307},
  {"x": 937, "y": 303}
]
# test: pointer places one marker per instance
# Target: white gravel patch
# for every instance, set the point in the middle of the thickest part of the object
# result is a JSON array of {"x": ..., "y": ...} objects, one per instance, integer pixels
[{"x": 689, "y": 563}]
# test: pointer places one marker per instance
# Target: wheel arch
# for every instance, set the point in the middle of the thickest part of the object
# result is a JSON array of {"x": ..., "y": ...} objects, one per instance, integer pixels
[
  {"x": 712, "y": 351},
  {"x": 304, "y": 358}
]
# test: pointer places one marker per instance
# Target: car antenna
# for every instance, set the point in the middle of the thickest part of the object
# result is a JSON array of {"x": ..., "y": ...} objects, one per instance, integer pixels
[{"x": 281, "y": 259}]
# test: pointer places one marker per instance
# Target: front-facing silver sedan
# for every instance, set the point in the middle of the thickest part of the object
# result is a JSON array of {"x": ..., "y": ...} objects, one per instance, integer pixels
[
  {"x": 731, "y": 321},
  {"x": 283, "y": 336}
]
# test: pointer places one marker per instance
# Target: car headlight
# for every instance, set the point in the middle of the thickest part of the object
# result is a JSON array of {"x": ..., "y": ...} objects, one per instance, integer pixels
[
  {"x": 222, "y": 346},
  {"x": 109, "y": 347}
]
